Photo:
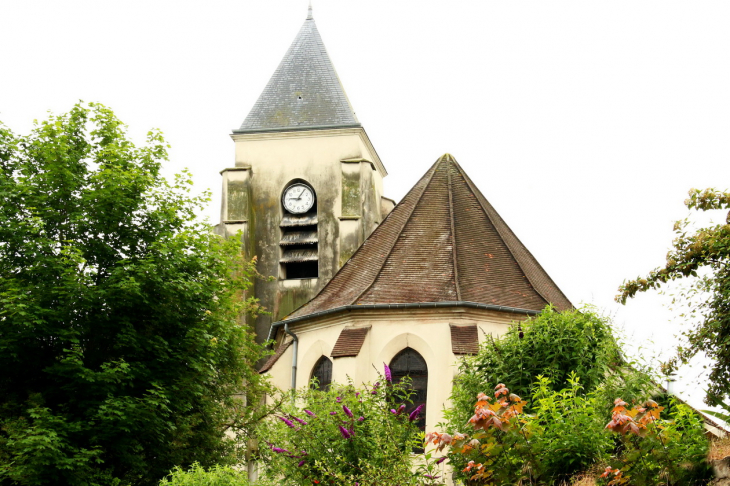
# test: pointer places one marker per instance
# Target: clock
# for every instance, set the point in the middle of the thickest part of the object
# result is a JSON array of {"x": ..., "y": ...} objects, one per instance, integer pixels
[{"x": 298, "y": 198}]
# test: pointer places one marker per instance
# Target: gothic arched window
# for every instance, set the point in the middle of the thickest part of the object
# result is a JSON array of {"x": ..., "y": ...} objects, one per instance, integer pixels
[
  {"x": 323, "y": 372},
  {"x": 409, "y": 363}
]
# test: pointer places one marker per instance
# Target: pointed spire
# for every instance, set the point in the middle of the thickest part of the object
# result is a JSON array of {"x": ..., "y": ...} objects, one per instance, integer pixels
[
  {"x": 309, "y": 11},
  {"x": 304, "y": 92}
]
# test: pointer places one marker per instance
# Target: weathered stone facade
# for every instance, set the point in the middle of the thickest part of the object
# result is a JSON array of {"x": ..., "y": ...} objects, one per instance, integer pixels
[
  {"x": 346, "y": 175},
  {"x": 301, "y": 130}
]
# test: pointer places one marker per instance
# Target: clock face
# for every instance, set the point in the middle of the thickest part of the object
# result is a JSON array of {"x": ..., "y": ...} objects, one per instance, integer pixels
[{"x": 298, "y": 198}]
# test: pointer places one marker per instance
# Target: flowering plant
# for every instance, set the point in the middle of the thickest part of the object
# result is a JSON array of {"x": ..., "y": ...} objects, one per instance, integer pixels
[
  {"x": 654, "y": 450},
  {"x": 504, "y": 445},
  {"x": 497, "y": 446},
  {"x": 346, "y": 436}
]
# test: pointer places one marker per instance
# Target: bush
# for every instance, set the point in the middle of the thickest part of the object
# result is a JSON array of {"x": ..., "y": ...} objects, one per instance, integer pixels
[
  {"x": 569, "y": 435},
  {"x": 345, "y": 435},
  {"x": 552, "y": 344},
  {"x": 654, "y": 451},
  {"x": 564, "y": 435},
  {"x": 215, "y": 476}
]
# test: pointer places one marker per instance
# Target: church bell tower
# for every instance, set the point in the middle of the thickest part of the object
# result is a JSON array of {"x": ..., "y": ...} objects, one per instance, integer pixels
[{"x": 307, "y": 185}]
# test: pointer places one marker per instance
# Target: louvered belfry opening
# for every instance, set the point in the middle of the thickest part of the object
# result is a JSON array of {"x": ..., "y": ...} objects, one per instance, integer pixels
[
  {"x": 323, "y": 373},
  {"x": 299, "y": 244},
  {"x": 410, "y": 363}
]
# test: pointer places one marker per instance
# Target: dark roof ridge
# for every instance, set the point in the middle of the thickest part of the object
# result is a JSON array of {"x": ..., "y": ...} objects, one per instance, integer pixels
[
  {"x": 474, "y": 191},
  {"x": 500, "y": 225},
  {"x": 453, "y": 230},
  {"x": 431, "y": 171}
]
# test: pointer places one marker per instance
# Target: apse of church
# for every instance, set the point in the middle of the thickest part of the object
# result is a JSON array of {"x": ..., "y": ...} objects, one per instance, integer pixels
[{"x": 307, "y": 185}]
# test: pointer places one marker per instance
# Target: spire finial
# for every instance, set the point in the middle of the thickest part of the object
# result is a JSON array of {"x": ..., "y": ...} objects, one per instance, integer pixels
[{"x": 309, "y": 11}]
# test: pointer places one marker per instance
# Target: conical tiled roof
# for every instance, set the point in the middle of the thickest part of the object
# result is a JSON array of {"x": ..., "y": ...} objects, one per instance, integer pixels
[
  {"x": 304, "y": 92},
  {"x": 443, "y": 242}
]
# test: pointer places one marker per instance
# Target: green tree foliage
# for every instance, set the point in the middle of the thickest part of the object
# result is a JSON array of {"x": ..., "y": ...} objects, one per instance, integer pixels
[
  {"x": 566, "y": 433},
  {"x": 656, "y": 451},
  {"x": 120, "y": 345},
  {"x": 568, "y": 425},
  {"x": 217, "y": 475},
  {"x": 551, "y": 344},
  {"x": 709, "y": 296},
  {"x": 724, "y": 416},
  {"x": 345, "y": 436},
  {"x": 502, "y": 445}
]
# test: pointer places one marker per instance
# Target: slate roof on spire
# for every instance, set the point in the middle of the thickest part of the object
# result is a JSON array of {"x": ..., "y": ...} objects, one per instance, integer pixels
[
  {"x": 443, "y": 242},
  {"x": 304, "y": 92}
]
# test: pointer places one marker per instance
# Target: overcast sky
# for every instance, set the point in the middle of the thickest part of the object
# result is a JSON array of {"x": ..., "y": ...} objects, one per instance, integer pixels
[{"x": 583, "y": 123}]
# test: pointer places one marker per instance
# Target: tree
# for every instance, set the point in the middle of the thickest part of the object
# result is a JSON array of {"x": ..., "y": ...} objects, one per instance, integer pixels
[
  {"x": 121, "y": 347},
  {"x": 704, "y": 254},
  {"x": 551, "y": 344},
  {"x": 551, "y": 353}
]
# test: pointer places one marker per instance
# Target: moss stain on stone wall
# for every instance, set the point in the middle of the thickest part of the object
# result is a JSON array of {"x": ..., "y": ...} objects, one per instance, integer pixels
[
  {"x": 291, "y": 299},
  {"x": 249, "y": 242},
  {"x": 263, "y": 238},
  {"x": 237, "y": 200},
  {"x": 351, "y": 202}
]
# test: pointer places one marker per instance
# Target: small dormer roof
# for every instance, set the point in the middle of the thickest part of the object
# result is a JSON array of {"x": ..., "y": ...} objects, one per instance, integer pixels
[
  {"x": 443, "y": 242},
  {"x": 304, "y": 92}
]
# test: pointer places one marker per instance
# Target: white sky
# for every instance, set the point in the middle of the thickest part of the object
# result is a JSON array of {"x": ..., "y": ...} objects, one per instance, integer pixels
[{"x": 583, "y": 123}]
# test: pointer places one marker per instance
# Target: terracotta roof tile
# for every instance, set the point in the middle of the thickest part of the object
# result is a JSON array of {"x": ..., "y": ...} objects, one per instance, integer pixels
[
  {"x": 443, "y": 242},
  {"x": 464, "y": 339},
  {"x": 275, "y": 357},
  {"x": 350, "y": 341}
]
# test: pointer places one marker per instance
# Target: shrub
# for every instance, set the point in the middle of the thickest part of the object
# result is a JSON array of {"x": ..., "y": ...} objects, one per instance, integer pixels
[
  {"x": 564, "y": 435},
  {"x": 654, "y": 451},
  {"x": 345, "y": 435},
  {"x": 215, "y": 476},
  {"x": 552, "y": 344},
  {"x": 569, "y": 435}
]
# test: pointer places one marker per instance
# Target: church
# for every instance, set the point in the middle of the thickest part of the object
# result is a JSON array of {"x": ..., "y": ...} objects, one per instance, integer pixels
[{"x": 358, "y": 280}]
